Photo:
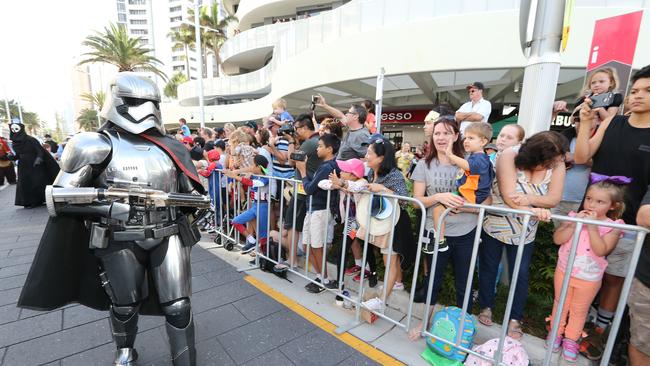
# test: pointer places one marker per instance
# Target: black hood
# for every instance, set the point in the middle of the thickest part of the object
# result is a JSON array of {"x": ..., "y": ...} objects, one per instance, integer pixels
[{"x": 19, "y": 134}]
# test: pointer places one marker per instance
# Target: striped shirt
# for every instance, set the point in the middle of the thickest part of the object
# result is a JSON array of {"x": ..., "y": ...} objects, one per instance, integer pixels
[{"x": 279, "y": 169}]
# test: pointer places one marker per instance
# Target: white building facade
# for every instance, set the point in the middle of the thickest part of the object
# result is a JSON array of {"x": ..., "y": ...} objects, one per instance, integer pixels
[{"x": 430, "y": 49}]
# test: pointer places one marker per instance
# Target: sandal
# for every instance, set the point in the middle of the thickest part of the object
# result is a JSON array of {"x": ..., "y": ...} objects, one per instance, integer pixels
[
  {"x": 485, "y": 317},
  {"x": 514, "y": 329}
]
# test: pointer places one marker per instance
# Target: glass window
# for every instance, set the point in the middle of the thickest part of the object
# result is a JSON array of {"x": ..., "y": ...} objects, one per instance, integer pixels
[
  {"x": 121, "y": 17},
  {"x": 175, "y": 19},
  {"x": 137, "y": 2},
  {"x": 179, "y": 68},
  {"x": 137, "y": 12},
  {"x": 175, "y": 9},
  {"x": 139, "y": 31},
  {"x": 121, "y": 7},
  {"x": 139, "y": 21}
]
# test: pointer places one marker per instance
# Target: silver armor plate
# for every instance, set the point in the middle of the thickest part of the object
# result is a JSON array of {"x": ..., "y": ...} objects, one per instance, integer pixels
[{"x": 138, "y": 162}]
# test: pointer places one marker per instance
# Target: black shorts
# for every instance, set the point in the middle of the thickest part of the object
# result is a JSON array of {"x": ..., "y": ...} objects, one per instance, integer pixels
[{"x": 301, "y": 211}]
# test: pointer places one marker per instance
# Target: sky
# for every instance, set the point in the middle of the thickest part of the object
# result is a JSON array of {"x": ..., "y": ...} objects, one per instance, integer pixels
[{"x": 39, "y": 43}]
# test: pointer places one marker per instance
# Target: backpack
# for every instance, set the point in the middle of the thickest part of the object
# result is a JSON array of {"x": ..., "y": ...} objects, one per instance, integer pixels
[
  {"x": 514, "y": 353},
  {"x": 267, "y": 265},
  {"x": 446, "y": 324}
]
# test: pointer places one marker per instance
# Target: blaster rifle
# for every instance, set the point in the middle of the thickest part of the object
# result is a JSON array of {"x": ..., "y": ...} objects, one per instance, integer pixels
[{"x": 113, "y": 201}]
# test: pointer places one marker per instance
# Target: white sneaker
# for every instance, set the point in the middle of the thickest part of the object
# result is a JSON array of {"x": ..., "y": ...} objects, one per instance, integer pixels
[
  {"x": 398, "y": 286},
  {"x": 373, "y": 304}
]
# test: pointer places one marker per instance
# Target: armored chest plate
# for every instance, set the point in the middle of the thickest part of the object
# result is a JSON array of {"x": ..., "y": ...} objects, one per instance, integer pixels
[{"x": 140, "y": 162}]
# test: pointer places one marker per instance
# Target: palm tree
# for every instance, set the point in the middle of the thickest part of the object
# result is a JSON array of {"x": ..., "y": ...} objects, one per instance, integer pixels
[
  {"x": 97, "y": 99},
  {"x": 184, "y": 36},
  {"x": 216, "y": 36},
  {"x": 213, "y": 38},
  {"x": 171, "y": 89},
  {"x": 87, "y": 119},
  {"x": 114, "y": 46}
]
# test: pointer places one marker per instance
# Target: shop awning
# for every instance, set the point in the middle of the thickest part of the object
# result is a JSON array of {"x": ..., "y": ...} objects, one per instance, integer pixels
[{"x": 498, "y": 125}]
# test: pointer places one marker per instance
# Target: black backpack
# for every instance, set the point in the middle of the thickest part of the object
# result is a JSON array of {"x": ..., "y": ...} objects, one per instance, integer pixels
[{"x": 269, "y": 266}]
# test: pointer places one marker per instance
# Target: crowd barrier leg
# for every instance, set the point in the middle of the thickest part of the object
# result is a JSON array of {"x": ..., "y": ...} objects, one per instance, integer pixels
[
  {"x": 511, "y": 293},
  {"x": 389, "y": 260},
  {"x": 625, "y": 292},
  {"x": 341, "y": 272},
  {"x": 470, "y": 276},
  {"x": 416, "y": 270},
  {"x": 357, "y": 316},
  {"x": 557, "y": 317},
  {"x": 323, "y": 267},
  {"x": 258, "y": 205}
]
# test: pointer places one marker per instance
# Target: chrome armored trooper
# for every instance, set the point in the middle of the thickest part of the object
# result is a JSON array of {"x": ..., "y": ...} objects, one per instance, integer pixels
[{"x": 114, "y": 180}]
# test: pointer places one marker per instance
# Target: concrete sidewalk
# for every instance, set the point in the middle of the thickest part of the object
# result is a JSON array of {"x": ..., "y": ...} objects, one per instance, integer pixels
[{"x": 236, "y": 323}]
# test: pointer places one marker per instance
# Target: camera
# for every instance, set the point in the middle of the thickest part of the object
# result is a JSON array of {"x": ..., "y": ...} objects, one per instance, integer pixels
[
  {"x": 298, "y": 155},
  {"x": 287, "y": 129},
  {"x": 314, "y": 100},
  {"x": 602, "y": 100}
]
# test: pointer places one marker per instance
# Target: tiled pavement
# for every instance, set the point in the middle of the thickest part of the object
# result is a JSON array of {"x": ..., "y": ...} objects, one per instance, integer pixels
[{"x": 236, "y": 324}]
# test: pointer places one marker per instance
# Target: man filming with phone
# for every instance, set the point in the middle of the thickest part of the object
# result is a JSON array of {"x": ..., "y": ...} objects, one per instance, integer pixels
[
  {"x": 303, "y": 142},
  {"x": 353, "y": 144}
]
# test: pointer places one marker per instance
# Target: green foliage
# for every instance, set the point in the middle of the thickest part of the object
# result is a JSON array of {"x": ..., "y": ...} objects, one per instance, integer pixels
[
  {"x": 87, "y": 120},
  {"x": 115, "y": 46},
  {"x": 171, "y": 89},
  {"x": 184, "y": 37},
  {"x": 97, "y": 99},
  {"x": 30, "y": 119},
  {"x": 214, "y": 35}
]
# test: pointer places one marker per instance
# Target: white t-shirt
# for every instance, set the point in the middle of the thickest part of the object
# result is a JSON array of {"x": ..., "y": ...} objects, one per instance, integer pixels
[{"x": 482, "y": 107}]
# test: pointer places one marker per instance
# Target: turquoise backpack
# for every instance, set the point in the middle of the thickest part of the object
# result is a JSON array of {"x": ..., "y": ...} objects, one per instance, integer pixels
[{"x": 446, "y": 324}]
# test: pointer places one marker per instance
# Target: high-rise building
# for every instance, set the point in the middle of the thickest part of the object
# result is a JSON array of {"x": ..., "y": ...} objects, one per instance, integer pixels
[{"x": 153, "y": 21}]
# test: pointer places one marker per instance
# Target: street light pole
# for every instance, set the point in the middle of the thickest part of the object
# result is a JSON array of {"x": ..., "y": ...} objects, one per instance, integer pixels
[
  {"x": 199, "y": 60},
  {"x": 543, "y": 69}
]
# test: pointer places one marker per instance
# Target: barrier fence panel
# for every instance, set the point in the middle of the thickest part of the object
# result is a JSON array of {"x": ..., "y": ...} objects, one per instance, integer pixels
[{"x": 289, "y": 241}]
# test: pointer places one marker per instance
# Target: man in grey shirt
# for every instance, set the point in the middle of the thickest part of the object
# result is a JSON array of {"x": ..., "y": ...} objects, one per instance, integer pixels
[{"x": 354, "y": 143}]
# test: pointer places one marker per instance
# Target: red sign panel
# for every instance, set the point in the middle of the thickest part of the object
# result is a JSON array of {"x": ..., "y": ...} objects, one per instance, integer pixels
[
  {"x": 613, "y": 46},
  {"x": 614, "y": 40},
  {"x": 403, "y": 116}
]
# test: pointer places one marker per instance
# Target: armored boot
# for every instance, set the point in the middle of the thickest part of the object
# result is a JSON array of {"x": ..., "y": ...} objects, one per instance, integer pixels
[
  {"x": 181, "y": 343},
  {"x": 124, "y": 326}
]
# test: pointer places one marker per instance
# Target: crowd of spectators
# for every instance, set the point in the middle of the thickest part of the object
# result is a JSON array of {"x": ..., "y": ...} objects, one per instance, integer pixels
[{"x": 573, "y": 173}]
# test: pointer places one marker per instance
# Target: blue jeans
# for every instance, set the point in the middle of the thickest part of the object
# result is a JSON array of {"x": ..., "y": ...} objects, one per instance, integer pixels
[
  {"x": 251, "y": 214},
  {"x": 460, "y": 252},
  {"x": 489, "y": 256}
]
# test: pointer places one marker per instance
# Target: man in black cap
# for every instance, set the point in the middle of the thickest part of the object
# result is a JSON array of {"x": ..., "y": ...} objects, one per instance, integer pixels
[{"x": 476, "y": 110}]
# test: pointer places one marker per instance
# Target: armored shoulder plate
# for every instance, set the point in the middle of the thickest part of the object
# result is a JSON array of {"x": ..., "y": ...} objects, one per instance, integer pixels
[{"x": 86, "y": 148}]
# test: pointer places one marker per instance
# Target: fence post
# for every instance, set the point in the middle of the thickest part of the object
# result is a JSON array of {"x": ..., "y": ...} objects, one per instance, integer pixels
[
  {"x": 513, "y": 283},
  {"x": 565, "y": 286}
]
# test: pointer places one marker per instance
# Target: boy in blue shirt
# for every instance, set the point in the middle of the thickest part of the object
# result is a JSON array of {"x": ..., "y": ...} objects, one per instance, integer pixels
[
  {"x": 317, "y": 229},
  {"x": 474, "y": 183}
]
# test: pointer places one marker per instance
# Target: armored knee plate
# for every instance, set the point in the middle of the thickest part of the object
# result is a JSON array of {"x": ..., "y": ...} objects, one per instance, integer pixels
[
  {"x": 181, "y": 343},
  {"x": 124, "y": 325}
]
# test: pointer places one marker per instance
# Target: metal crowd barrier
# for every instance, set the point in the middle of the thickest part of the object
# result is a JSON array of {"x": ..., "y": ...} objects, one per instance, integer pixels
[
  {"x": 497, "y": 359},
  {"x": 226, "y": 237}
]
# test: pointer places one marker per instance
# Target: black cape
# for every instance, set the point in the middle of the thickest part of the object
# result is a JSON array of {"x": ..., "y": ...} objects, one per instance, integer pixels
[
  {"x": 65, "y": 271},
  {"x": 30, "y": 190}
]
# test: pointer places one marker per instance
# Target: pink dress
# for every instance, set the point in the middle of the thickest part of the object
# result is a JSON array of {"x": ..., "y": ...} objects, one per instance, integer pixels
[{"x": 587, "y": 266}]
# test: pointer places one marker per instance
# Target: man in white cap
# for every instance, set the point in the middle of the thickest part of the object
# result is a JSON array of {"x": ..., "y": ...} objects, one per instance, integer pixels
[{"x": 476, "y": 110}]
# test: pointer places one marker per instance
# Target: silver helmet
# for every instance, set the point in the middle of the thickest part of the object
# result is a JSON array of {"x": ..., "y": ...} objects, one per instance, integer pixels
[{"x": 133, "y": 103}]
